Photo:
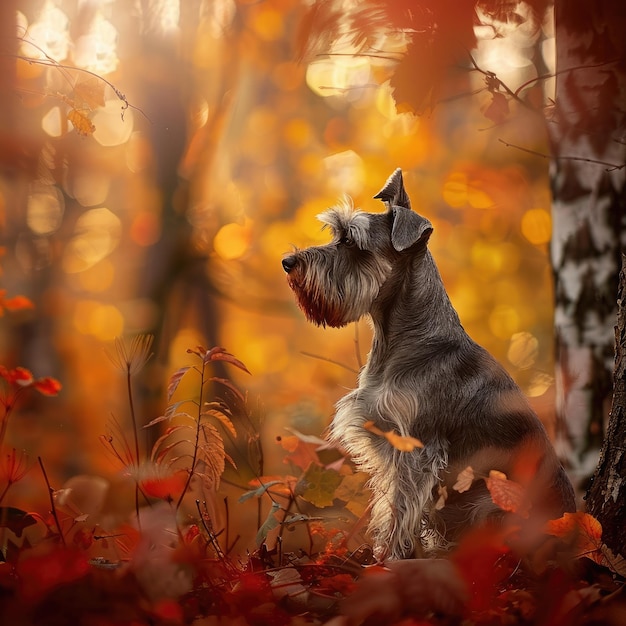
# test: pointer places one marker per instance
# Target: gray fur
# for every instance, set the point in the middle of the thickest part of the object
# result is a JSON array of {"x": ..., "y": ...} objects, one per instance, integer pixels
[{"x": 424, "y": 378}]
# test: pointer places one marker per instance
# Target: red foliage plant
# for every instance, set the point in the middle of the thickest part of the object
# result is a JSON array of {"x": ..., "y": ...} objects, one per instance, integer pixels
[{"x": 102, "y": 561}]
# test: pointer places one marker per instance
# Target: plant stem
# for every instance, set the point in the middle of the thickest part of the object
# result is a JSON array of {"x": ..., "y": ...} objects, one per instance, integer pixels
[
  {"x": 53, "y": 509},
  {"x": 136, "y": 436},
  {"x": 197, "y": 441}
]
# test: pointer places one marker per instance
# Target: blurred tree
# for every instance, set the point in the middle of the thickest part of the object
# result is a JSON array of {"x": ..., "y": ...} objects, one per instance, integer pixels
[{"x": 588, "y": 139}]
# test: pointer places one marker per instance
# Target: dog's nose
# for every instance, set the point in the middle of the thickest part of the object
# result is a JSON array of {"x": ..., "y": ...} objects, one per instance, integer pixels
[{"x": 289, "y": 263}]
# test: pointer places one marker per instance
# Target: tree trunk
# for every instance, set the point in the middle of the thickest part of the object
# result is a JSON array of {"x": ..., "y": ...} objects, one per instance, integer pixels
[
  {"x": 607, "y": 493},
  {"x": 588, "y": 219}
]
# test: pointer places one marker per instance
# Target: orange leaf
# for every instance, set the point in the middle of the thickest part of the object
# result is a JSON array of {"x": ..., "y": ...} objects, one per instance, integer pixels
[
  {"x": 81, "y": 122},
  {"x": 507, "y": 494},
  {"x": 582, "y": 528},
  {"x": 166, "y": 487},
  {"x": 403, "y": 443},
  {"x": 18, "y": 303},
  {"x": 47, "y": 386},
  {"x": 301, "y": 453},
  {"x": 90, "y": 92},
  {"x": 464, "y": 480}
]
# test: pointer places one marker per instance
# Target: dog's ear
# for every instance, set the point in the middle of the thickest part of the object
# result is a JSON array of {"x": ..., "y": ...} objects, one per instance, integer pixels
[
  {"x": 393, "y": 193},
  {"x": 408, "y": 228}
]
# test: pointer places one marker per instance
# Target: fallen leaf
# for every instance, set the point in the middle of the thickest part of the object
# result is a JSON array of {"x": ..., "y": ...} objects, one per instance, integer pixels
[
  {"x": 507, "y": 494},
  {"x": 320, "y": 485},
  {"x": 584, "y": 530},
  {"x": 404, "y": 443},
  {"x": 464, "y": 480}
]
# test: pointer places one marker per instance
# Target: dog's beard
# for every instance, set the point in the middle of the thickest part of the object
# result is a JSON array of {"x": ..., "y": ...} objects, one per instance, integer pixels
[{"x": 318, "y": 307}]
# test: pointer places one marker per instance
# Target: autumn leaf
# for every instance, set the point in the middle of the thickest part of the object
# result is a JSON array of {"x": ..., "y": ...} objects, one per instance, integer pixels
[
  {"x": 48, "y": 386},
  {"x": 81, "y": 122},
  {"x": 267, "y": 533},
  {"x": 464, "y": 480},
  {"x": 404, "y": 443},
  {"x": 89, "y": 93},
  {"x": 221, "y": 413},
  {"x": 174, "y": 381},
  {"x": 15, "y": 519},
  {"x": 259, "y": 491},
  {"x": 354, "y": 492},
  {"x": 584, "y": 530},
  {"x": 507, "y": 494},
  {"x": 211, "y": 457},
  {"x": 320, "y": 485},
  {"x": 280, "y": 485},
  {"x": 16, "y": 303},
  {"x": 165, "y": 486},
  {"x": 301, "y": 453},
  {"x": 498, "y": 110},
  {"x": 220, "y": 354},
  {"x": 18, "y": 376}
]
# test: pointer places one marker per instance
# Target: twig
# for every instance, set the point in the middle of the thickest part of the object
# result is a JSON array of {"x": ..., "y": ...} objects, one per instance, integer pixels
[
  {"x": 52, "y": 506},
  {"x": 323, "y": 358},
  {"x": 543, "y": 155},
  {"x": 564, "y": 71},
  {"x": 357, "y": 346}
]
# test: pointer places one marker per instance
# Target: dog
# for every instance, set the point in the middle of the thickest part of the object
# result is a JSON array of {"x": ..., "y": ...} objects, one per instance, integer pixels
[{"x": 424, "y": 378}]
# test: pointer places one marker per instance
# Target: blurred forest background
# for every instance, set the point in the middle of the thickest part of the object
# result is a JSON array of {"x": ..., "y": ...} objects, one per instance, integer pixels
[{"x": 160, "y": 157}]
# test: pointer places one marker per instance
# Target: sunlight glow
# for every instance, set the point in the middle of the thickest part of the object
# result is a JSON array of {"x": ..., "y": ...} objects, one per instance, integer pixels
[
  {"x": 523, "y": 350},
  {"x": 90, "y": 187},
  {"x": 44, "y": 209},
  {"x": 537, "y": 226},
  {"x": 50, "y": 33},
  {"x": 111, "y": 129},
  {"x": 97, "y": 234},
  {"x": 54, "y": 123},
  {"x": 232, "y": 240},
  {"x": 96, "y": 50}
]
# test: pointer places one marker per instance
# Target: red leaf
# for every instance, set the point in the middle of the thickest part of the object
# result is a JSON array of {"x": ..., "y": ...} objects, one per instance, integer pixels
[
  {"x": 507, "y": 494},
  {"x": 40, "y": 573},
  {"x": 47, "y": 386},
  {"x": 581, "y": 528},
  {"x": 166, "y": 487},
  {"x": 17, "y": 303},
  {"x": 20, "y": 376},
  {"x": 174, "y": 381},
  {"x": 219, "y": 354}
]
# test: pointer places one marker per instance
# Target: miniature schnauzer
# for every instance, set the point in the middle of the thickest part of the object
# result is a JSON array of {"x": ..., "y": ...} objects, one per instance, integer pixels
[{"x": 424, "y": 378}]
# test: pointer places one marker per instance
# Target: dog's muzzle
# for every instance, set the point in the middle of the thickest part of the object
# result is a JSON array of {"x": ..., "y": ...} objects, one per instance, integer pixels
[{"x": 289, "y": 263}]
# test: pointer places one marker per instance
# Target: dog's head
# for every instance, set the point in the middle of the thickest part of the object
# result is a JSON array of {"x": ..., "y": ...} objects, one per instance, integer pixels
[{"x": 337, "y": 283}]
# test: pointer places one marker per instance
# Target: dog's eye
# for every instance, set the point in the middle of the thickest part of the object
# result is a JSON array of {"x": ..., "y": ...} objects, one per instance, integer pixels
[{"x": 346, "y": 241}]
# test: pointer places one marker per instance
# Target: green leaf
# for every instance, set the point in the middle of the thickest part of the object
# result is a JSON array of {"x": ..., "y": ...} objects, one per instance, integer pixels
[
  {"x": 320, "y": 485},
  {"x": 271, "y": 522},
  {"x": 259, "y": 491}
]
